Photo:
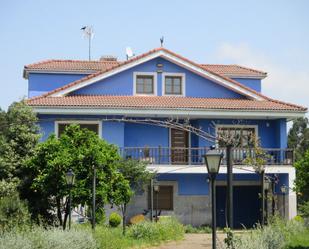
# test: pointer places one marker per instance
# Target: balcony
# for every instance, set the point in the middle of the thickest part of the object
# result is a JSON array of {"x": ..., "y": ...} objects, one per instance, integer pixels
[{"x": 194, "y": 156}]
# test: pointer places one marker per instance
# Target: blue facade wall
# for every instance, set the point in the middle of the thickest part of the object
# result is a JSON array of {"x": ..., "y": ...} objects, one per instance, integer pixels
[
  {"x": 122, "y": 83},
  {"x": 40, "y": 83},
  {"x": 273, "y": 133},
  {"x": 113, "y": 132},
  {"x": 197, "y": 184},
  {"x": 138, "y": 135},
  {"x": 254, "y": 84}
]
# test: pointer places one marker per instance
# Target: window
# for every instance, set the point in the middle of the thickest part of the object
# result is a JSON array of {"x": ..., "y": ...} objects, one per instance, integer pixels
[
  {"x": 145, "y": 84},
  {"x": 165, "y": 198},
  {"x": 244, "y": 136},
  {"x": 92, "y": 126},
  {"x": 173, "y": 84}
]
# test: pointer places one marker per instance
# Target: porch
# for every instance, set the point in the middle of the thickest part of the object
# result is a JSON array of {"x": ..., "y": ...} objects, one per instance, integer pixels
[{"x": 195, "y": 156}]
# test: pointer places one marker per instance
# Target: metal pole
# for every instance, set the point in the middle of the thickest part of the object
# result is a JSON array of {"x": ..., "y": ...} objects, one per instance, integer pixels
[
  {"x": 70, "y": 205},
  {"x": 229, "y": 192},
  {"x": 262, "y": 198},
  {"x": 283, "y": 205},
  {"x": 89, "y": 47},
  {"x": 266, "y": 206},
  {"x": 273, "y": 196},
  {"x": 213, "y": 211},
  {"x": 157, "y": 193},
  {"x": 93, "y": 197},
  {"x": 151, "y": 200}
]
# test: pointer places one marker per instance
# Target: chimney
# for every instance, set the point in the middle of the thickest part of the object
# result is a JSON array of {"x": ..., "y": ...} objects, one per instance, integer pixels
[{"x": 108, "y": 58}]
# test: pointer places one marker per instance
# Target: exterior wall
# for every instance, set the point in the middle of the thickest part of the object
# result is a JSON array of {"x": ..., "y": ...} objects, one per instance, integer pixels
[
  {"x": 272, "y": 133},
  {"x": 191, "y": 197},
  {"x": 40, "y": 83},
  {"x": 252, "y": 83},
  {"x": 122, "y": 83}
]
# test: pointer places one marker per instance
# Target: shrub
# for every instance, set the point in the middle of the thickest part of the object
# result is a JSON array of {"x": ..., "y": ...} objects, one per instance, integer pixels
[
  {"x": 114, "y": 220},
  {"x": 164, "y": 229},
  {"x": 304, "y": 210},
  {"x": 13, "y": 213},
  {"x": 200, "y": 229},
  {"x": 39, "y": 238},
  {"x": 137, "y": 219}
]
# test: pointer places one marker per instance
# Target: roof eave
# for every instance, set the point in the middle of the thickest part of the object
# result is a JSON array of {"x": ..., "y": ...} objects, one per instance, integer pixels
[{"x": 170, "y": 112}]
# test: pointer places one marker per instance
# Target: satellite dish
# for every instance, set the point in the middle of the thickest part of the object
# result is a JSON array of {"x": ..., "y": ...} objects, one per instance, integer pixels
[{"x": 129, "y": 53}]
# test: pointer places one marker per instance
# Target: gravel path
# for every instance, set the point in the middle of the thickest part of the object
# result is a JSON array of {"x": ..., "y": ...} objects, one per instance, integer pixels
[{"x": 194, "y": 241}]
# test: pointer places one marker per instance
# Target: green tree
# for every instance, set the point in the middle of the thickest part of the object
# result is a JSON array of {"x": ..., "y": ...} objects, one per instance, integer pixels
[
  {"x": 136, "y": 176},
  {"x": 298, "y": 137},
  {"x": 80, "y": 150},
  {"x": 302, "y": 178}
]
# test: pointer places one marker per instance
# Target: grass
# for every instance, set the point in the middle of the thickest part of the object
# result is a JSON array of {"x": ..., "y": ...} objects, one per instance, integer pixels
[
  {"x": 82, "y": 237},
  {"x": 299, "y": 241},
  {"x": 200, "y": 229}
]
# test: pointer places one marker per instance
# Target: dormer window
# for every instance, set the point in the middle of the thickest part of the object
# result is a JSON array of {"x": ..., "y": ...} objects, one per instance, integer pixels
[
  {"x": 145, "y": 84},
  {"x": 173, "y": 84}
]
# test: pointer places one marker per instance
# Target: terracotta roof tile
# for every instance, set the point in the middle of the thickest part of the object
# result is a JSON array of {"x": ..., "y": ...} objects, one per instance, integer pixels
[
  {"x": 163, "y": 102},
  {"x": 94, "y": 66}
]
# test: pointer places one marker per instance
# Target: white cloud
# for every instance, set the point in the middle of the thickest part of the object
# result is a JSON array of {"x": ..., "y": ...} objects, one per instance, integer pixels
[{"x": 282, "y": 83}]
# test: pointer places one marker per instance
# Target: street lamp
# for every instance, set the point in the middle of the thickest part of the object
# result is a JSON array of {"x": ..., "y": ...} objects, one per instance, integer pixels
[
  {"x": 284, "y": 189},
  {"x": 156, "y": 189},
  {"x": 70, "y": 177},
  {"x": 213, "y": 160}
]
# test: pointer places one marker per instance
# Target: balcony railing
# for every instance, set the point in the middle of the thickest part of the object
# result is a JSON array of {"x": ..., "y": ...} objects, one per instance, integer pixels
[{"x": 194, "y": 156}]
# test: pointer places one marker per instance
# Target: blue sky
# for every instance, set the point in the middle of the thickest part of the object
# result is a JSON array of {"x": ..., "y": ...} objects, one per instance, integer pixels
[{"x": 269, "y": 35}]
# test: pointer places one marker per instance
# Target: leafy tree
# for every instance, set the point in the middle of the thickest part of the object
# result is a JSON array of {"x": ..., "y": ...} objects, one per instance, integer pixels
[
  {"x": 135, "y": 176},
  {"x": 80, "y": 150},
  {"x": 298, "y": 137},
  {"x": 302, "y": 177}
]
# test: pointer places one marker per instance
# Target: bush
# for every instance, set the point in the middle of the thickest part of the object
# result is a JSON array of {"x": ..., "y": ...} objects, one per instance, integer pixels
[
  {"x": 277, "y": 235},
  {"x": 13, "y": 213},
  {"x": 164, "y": 229},
  {"x": 200, "y": 229},
  {"x": 114, "y": 220},
  {"x": 304, "y": 210},
  {"x": 137, "y": 219},
  {"x": 39, "y": 238},
  {"x": 299, "y": 241}
]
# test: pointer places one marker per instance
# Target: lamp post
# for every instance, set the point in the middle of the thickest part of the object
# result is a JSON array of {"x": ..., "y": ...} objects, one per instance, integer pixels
[
  {"x": 70, "y": 177},
  {"x": 266, "y": 186},
  {"x": 93, "y": 197},
  {"x": 156, "y": 189},
  {"x": 284, "y": 190},
  {"x": 213, "y": 161}
]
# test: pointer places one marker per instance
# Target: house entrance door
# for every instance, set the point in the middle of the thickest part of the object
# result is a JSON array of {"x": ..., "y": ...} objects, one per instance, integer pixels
[{"x": 179, "y": 146}]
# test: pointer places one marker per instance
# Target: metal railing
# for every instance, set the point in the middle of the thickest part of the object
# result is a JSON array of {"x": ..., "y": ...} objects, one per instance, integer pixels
[{"x": 195, "y": 155}]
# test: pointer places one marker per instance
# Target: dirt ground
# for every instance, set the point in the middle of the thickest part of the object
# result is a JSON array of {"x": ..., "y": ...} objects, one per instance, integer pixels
[{"x": 193, "y": 241}]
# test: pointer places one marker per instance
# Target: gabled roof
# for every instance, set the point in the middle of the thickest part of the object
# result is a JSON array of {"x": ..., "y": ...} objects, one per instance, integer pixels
[
  {"x": 162, "y": 102},
  {"x": 166, "y": 54},
  {"x": 235, "y": 71},
  {"x": 82, "y": 66}
]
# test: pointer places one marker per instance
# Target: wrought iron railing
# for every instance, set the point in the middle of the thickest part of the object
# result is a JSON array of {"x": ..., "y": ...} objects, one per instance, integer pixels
[{"x": 195, "y": 155}]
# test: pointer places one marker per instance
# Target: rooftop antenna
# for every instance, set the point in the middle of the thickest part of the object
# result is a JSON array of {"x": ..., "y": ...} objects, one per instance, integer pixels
[
  {"x": 88, "y": 34},
  {"x": 161, "y": 41},
  {"x": 129, "y": 53}
]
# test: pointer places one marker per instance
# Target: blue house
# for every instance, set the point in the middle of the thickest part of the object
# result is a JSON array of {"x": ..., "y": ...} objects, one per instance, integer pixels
[{"x": 126, "y": 103}]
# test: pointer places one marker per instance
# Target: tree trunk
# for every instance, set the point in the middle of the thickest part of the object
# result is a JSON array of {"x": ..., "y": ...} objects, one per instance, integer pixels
[
  {"x": 59, "y": 215},
  {"x": 66, "y": 214},
  {"x": 124, "y": 210}
]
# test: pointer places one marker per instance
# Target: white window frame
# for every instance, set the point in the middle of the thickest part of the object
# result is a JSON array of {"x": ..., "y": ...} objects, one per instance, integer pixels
[
  {"x": 183, "y": 83},
  {"x": 98, "y": 122},
  {"x": 135, "y": 74},
  {"x": 255, "y": 127}
]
